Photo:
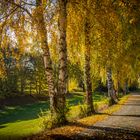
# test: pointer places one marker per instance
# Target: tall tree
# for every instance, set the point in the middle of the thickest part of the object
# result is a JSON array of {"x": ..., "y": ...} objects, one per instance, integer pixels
[
  {"x": 89, "y": 99},
  {"x": 111, "y": 92},
  {"x": 57, "y": 96},
  {"x": 42, "y": 32},
  {"x": 63, "y": 75}
]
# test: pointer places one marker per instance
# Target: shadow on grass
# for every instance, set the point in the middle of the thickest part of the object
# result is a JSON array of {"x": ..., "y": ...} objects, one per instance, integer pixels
[
  {"x": 22, "y": 113},
  {"x": 9, "y": 137},
  {"x": 30, "y": 112},
  {"x": 2, "y": 126},
  {"x": 78, "y": 98}
]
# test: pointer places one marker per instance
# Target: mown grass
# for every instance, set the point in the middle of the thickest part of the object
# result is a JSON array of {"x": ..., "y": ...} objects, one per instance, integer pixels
[
  {"x": 20, "y": 121},
  {"x": 93, "y": 119},
  {"x": 80, "y": 125}
]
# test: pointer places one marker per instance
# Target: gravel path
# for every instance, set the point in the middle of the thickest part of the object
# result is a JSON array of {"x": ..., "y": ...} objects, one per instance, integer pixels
[{"x": 123, "y": 124}]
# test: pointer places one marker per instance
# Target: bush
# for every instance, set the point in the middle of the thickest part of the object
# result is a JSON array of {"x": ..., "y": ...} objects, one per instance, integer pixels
[
  {"x": 84, "y": 111},
  {"x": 96, "y": 107},
  {"x": 49, "y": 120}
]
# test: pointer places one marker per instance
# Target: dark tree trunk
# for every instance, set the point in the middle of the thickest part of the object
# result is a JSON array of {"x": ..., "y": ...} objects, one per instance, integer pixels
[
  {"x": 22, "y": 85},
  {"x": 118, "y": 88},
  {"x": 125, "y": 88},
  {"x": 30, "y": 87},
  {"x": 83, "y": 87}
]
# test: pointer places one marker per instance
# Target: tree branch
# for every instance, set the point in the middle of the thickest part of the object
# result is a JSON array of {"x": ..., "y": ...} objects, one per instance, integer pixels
[
  {"x": 20, "y": 7},
  {"x": 28, "y": 3},
  {"x": 11, "y": 12}
]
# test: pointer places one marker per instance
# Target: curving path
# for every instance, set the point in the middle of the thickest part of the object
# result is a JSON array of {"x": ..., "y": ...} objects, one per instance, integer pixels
[{"x": 123, "y": 124}]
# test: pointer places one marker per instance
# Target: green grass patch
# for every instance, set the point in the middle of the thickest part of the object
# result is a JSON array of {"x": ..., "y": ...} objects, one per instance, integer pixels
[{"x": 21, "y": 121}]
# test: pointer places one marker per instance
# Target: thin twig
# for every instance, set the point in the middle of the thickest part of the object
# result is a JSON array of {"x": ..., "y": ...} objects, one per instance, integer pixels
[
  {"x": 28, "y": 3},
  {"x": 7, "y": 15},
  {"x": 21, "y": 7}
]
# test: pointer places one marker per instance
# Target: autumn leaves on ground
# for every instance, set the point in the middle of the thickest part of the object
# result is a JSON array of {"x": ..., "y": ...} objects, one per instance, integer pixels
[{"x": 66, "y": 65}]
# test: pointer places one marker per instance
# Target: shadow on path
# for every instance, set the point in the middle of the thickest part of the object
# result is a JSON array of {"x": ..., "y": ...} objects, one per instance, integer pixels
[
  {"x": 99, "y": 133},
  {"x": 118, "y": 115}
]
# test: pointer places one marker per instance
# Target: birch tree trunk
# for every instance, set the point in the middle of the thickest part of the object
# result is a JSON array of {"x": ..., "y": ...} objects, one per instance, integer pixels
[
  {"x": 57, "y": 97},
  {"x": 89, "y": 99},
  {"x": 63, "y": 76},
  {"x": 42, "y": 32},
  {"x": 111, "y": 92}
]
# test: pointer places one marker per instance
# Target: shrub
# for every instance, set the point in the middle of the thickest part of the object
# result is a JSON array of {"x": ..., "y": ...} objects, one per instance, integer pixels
[
  {"x": 96, "y": 107},
  {"x": 83, "y": 111},
  {"x": 49, "y": 120}
]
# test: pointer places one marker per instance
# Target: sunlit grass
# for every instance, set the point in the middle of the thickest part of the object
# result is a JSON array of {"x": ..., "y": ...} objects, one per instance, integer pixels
[
  {"x": 93, "y": 119},
  {"x": 18, "y": 129},
  {"x": 82, "y": 124},
  {"x": 21, "y": 120},
  {"x": 24, "y": 120}
]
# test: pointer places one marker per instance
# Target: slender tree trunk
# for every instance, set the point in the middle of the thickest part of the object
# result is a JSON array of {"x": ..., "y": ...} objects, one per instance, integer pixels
[
  {"x": 83, "y": 86},
  {"x": 118, "y": 88},
  {"x": 125, "y": 88},
  {"x": 42, "y": 32},
  {"x": 63, "y": 76},
  {"x": 67, "y": 88},
  {"x": 118, "y": 84},
  {"x": 30, "y": 87},
  {"x": 22, "y": 85},
  {"x": 89, "y": 99},
  {"x": 111, "y": 92},
  {"x": 36, "y": 86},
  {"x": 39, "y": 86}
]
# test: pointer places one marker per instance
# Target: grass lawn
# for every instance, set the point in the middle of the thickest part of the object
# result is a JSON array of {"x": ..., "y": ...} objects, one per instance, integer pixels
[{"x": 20, "y": 121}]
